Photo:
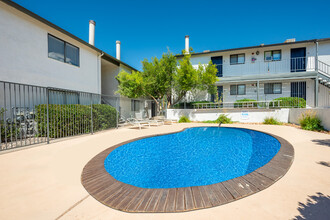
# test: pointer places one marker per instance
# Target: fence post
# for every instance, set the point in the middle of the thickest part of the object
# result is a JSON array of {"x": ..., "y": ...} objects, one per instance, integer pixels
[
  {"x": 91, "y": 114},
  {"x": 47, "y": 91}
]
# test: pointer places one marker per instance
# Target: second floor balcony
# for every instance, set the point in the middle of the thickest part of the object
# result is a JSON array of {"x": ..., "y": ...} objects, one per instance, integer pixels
[{"x": 299, "y": 64}]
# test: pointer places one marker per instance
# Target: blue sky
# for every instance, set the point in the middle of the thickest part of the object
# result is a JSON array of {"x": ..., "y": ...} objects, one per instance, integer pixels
[{"x": 147, "y": 28}]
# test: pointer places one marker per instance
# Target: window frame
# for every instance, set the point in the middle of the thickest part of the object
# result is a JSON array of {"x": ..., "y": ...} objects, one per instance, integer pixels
[
  {"x": 272, "y": 55},
  {"x": 64, "y": 54},
  {"x": 272, "y": 88},
  {"x": 236, "y": 89},
  {"x": 237, "y": 63}
]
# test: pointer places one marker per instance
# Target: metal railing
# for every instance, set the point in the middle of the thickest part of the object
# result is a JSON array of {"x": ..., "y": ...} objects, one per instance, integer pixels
[
  {"x": 299, "y": 64},
  {"x": 33, "y": 114},
  {"x": 234, "y": 105}
]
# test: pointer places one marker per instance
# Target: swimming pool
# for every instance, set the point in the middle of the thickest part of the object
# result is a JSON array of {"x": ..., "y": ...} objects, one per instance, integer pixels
[{"x": 194, "y": 157}]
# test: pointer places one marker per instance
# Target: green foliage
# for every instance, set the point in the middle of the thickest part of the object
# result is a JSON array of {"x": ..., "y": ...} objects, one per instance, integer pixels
[
  {"x": 291, "y": 102},
  {"x": 188, "y": 78},
  {"x": 154, "y": 81},
  {"x": 191, "y": 50},
  {"x": 184, "y": 119},
  {"x": 8, "y": 130},
  {"x": 68, "y": 120},
  {"x": 245, "y": 103},
  {"x": 271, "y": 121},
  {"x": 189, "y": 105},
  {"x": 224, "y": 119},
  {"x": 309, "y": 121},
  {"x": 162, "y": 77}
]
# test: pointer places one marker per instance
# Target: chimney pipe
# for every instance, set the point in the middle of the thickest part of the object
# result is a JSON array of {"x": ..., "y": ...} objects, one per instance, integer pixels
[
  {"x": 118, "y": 50},
  {"x": 187, "y": 44},
  {"x": 92, "y": 32}
]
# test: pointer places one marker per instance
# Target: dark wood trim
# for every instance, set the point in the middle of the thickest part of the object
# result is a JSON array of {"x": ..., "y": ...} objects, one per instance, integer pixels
[{"x": 121, "y": 196}]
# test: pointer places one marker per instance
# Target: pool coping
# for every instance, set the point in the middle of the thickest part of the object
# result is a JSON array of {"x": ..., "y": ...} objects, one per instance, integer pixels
[{"x": 124, "y": 197}]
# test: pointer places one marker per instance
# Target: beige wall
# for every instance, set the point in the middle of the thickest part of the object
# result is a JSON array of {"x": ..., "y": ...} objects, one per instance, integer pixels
[{"x": 323, "y": 114}]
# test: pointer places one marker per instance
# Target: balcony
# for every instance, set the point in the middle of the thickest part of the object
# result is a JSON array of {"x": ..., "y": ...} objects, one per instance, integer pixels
[{"x": 300, "y": 64}]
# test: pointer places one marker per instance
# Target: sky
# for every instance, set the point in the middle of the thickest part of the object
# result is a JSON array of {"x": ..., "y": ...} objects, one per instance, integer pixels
[{"x": 149, "y": 28}]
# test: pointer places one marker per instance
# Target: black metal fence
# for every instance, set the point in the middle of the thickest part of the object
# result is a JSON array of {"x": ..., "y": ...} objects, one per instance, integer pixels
[{"x": 33, "y": 114}]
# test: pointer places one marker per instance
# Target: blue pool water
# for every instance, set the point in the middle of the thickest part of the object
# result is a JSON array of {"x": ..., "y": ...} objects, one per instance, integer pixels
[{"x": 193, "y": 157}]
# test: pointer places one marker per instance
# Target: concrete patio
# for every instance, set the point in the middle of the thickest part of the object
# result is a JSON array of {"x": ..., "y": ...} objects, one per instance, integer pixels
[{"x": 43, "y": 182}]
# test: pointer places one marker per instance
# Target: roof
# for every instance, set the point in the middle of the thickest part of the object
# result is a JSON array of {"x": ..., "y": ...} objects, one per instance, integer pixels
[
  {"x": 50, "y": 24},
  {"x": 258, "y": 46}
]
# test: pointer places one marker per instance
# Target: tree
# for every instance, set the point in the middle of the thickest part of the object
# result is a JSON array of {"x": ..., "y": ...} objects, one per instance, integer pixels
[
  {"x": 164, "y": 78},
  {"x": 154, "y": 81},
  {"x": 190, "y": 79}
]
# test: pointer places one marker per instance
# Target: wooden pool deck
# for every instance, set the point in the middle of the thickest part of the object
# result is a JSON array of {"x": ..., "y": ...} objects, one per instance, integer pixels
[{"x": 118, "y": 195}]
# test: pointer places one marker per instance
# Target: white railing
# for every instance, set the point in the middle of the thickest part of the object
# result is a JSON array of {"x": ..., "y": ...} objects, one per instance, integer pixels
[
  {"x": 324, "y": 68},
  {"x": 299, "y": 64},
  {"x": 246, "y": 104},
  {"x": 297, "y": 103}
]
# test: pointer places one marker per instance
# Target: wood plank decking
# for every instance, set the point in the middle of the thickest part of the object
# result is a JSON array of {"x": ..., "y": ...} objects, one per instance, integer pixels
[{"x": 118, "y": 195}]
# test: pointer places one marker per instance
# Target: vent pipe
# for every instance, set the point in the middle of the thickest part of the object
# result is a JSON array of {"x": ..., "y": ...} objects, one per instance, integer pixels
[
  {"x": 187, "y": 44},
  {"x": 92, "y": 32},
  {"x": 118, "y": 50}
]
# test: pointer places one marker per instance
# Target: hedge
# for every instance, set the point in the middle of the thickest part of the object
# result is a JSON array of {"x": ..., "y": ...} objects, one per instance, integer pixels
[
  {"x": 245, "y": 103},
  {"x": 293, "y": 102},
  {"x": 68, "y": 120}
]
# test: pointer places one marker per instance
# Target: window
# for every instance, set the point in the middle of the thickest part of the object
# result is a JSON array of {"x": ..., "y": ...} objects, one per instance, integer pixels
[
  {"x": 273, "y": 88},
  {"x": 237, "y": 90},
  {"x": 237, "y": 59},
  {"x": 62, "y": 51},
  {"x": 273, "y": 55},
  {"x": 135, "y": 105}
]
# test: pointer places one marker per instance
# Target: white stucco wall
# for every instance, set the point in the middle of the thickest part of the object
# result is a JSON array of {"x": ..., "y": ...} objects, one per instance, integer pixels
[
  {"x": 109, "y": 84},
  {"x": 24, "y": 55},
  {"x": 241, "y": 115}
]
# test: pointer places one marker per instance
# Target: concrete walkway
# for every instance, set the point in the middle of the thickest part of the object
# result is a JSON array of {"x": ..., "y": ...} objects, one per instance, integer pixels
[{"x": 43, "y": 182}]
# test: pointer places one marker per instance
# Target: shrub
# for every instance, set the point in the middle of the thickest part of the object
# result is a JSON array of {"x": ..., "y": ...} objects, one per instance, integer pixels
[
  {"x": 189, "y": 105},
  {"x": 68, "y": 120},
  {"x": 245, "y": 103},
  {"x": 223, "y": 119},
  {"x": 184, "y": 119},
  {"x": 309, "y": 121},
  {"x": 10, "y": 130},
  {"x": 293, "y": 102},
  {"x": 271, "y": 121}
]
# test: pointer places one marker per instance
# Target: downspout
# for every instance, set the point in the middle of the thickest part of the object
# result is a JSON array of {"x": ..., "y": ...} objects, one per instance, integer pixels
[{"x": 99, "y": 71}]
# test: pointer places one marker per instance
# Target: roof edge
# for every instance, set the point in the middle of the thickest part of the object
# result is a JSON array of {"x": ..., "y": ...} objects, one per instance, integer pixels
[{"x": 257, "y": 46}]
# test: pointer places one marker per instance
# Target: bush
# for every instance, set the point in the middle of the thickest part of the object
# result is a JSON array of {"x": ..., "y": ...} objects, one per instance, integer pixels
[
  {"x": 184, "y": 119},
  {"x": 223, "y": 119},
  {"x": 309, "y": 121},
  {"x": 292, "y": 102},
  {"x": 8, "y": 129},
  {"x": 271, "y": 121},
  {"x": 68, "y": 120},
  {"x": 189, "y": 105},
  {"x": 245, "y": 103}
]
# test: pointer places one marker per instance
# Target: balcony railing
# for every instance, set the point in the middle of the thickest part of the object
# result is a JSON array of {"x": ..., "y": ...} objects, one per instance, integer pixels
[
  {"x": 299, "y": 64},
  {"x": 247, "y": 104},
  {"x": 274, "y": 104}
]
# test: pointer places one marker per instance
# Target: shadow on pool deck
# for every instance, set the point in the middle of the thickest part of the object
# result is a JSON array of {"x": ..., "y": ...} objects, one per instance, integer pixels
[
  {"x": 327, "y": 164},
  {"x": 316, "y": 207},
  {"x": 325, "y": 142}
]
